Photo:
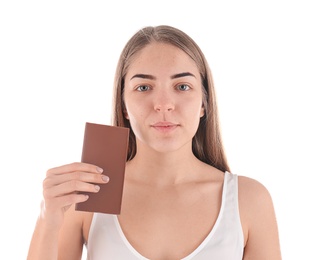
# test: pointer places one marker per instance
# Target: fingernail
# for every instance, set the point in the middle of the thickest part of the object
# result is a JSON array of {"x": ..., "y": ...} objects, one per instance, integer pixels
[
  {"x": 105, "y": 178},
  {"x": 97, "y": 188},
  {"x": 100, "y": 170}
]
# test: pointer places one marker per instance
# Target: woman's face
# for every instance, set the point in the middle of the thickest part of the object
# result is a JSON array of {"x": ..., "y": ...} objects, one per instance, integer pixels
[{"x": 163, "y": 98}]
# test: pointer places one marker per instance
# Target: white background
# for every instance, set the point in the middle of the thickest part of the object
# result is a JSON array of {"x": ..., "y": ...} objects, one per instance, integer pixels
[{"x": 57, "y": 62}]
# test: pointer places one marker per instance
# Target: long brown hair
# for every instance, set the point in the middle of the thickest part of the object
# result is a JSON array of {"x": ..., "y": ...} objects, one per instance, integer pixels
[{"x": 206, "y": 144}]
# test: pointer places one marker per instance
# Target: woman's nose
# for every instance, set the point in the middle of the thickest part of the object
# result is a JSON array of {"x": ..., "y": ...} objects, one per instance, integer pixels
[{"x": 164, "y": 103}]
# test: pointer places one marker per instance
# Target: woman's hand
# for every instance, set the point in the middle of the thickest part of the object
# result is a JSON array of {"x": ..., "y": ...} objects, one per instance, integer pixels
[{"x": 62, "y": 187}]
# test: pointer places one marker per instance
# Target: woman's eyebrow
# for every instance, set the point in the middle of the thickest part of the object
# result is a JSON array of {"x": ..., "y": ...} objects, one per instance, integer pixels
[
  {"x": 143, "y": 76},
  {"x": 180, "y": 75},
  {"x": 175, "y": 76}
]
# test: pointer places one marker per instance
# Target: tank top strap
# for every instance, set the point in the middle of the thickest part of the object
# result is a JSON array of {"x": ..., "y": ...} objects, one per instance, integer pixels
[{"x": 231, "y": 192}]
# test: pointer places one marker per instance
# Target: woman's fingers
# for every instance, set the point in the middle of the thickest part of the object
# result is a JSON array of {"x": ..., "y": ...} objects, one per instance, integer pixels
[
  {"x": 64, "y": 201},
  {"x": 56, "y": 179},
  {"x": 72, "y": 186},
  {"x": 72, "y": 167},
  {"x": 63, "y": 185}
]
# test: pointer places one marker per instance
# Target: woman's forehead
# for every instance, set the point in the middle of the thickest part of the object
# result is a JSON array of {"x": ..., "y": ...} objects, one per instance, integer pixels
[{"x": 162, "y": 58}]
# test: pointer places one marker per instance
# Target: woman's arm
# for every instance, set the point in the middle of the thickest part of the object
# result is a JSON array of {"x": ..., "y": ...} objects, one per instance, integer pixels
[
  {"x": 71, "y": 237},
  {"x": 258, "y": 218}
]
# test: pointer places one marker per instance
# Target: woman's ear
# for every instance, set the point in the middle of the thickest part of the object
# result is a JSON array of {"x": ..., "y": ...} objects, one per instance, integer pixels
[
  {"x": 202, "y": 113},
  {"x": 125, "y": 114}
]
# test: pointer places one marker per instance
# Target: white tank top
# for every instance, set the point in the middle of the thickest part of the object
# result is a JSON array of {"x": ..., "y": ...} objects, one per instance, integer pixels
[{"x": 225, "y": 241}]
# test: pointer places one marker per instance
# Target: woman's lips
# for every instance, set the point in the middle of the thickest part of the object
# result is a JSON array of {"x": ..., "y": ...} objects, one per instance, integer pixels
[{"x": 164, "y": 126}]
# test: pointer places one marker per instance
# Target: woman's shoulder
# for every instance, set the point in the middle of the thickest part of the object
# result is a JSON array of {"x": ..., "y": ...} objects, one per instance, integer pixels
[
  {"x": 258, "y": 220},
  {"x": 253, "y": 195},
  {"x": 255, "y": 202},
  {"x": 252, "y": 189},
  {"x": 255, "y": 205}
]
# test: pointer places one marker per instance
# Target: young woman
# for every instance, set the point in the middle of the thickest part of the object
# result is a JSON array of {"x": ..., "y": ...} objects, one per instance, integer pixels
[{"x": 180, "y": 200}]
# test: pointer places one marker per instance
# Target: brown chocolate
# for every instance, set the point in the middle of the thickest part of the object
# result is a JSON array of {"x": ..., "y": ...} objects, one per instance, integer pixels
[{"x": 106, "y": 147}]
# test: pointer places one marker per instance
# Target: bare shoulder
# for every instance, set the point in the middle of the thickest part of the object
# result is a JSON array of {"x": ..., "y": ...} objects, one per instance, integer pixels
[
  {"x": 251, "y": 189},
  {"x": 254, "y": 197},
  {"x": 258, "y": 220}
]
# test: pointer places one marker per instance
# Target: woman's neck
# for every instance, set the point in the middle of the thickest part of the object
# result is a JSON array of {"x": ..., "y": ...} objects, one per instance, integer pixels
[{"x": 163, "y": 168}]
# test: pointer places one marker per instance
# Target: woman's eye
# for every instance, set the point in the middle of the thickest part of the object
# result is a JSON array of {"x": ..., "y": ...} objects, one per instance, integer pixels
[
  {"x": 183, "y": 87},
  {"x": 143, "y": 88}
]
